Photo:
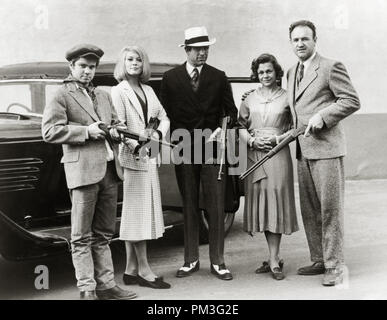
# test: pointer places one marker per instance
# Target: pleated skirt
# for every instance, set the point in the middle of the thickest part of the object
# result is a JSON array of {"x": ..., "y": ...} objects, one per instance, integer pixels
[
  {"x": 269, "y": 202},
  {"x": 142, "y": 214}
]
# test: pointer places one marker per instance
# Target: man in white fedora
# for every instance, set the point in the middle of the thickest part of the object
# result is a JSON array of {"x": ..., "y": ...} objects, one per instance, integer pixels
[{"x": 196, "y": 95}]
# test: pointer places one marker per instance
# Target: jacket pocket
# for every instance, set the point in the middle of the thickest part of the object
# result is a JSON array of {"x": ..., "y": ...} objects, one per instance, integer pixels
[{"x": 72, "y": 156}]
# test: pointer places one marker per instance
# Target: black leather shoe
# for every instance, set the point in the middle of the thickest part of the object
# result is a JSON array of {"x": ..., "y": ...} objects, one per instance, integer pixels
[
  {"x": 88, "y": 295},
  {"x": 265, "y": 267},
  {"x": 187, "y": 269},
  {"x": 115, "y": 293},
  {"x": 158, "y": 283},
  {"x": 314, "y": 269},
  {"x": 223, "y": 273},
  {"x": 129, "y": 279},
  {"x": 277, "y": 273}
]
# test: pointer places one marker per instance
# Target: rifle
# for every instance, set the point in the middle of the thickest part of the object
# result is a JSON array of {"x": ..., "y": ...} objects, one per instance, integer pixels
[
  {"x": 223, "y": 137},
  {"x": 292, "y": 136}
]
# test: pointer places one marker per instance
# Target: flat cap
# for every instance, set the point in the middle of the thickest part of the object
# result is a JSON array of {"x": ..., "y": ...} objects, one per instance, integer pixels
[{"x": 83, "y": 50}]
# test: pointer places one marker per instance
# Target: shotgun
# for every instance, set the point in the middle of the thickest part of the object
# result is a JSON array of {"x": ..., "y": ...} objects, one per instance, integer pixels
[{"x": 292, "y": 136}]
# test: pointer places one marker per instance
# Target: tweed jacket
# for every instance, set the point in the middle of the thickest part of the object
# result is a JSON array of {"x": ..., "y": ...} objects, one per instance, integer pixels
[
  {"x": 325, "y": 89},
  {"x": 130, "y": 112},
  {"x": 65, "y": 121}
]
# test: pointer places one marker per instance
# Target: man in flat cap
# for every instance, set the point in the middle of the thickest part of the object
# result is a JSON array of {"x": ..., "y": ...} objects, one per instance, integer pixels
[
  {"x": 196, "y": 96},
  {"x": 92, "y": 170}
]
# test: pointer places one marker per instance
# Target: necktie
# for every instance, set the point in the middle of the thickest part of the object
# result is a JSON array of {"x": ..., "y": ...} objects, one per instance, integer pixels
[
  {"x": 300, "y": 74},
  {"x": 91, "y": 93},
  {"x": 195, "y": 80}
]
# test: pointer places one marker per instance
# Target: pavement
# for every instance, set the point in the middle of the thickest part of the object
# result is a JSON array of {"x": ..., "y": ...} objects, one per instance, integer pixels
[{"x": 365, "y": 253}]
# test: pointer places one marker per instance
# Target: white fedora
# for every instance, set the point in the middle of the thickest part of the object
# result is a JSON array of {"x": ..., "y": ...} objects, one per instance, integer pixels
[{"x": 197, "y": 37}]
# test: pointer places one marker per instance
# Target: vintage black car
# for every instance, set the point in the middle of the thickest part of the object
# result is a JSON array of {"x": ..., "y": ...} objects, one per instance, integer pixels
[{"x": 34, "y": 200}]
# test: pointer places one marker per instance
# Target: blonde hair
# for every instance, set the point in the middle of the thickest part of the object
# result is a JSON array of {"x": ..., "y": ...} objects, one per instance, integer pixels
[{"x": 120, "y": 72}]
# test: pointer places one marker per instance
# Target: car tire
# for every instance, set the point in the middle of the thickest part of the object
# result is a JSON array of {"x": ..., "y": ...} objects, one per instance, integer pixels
[{"x": 203, "y": 225}]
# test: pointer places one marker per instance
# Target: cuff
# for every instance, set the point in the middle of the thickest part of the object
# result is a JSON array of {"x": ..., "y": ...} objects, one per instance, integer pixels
[
  {"x": 87, "y": 133},
  {"x": 250, "y": 142}
]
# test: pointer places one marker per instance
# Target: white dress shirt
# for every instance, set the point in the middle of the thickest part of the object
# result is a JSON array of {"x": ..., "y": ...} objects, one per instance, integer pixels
[{"x": 190, "y": 69}]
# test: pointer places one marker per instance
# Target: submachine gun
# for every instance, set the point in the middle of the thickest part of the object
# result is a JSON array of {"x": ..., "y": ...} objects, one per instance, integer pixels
[
  {"x": 141, "y": 138},
  {"x": 292, "y": 136}
]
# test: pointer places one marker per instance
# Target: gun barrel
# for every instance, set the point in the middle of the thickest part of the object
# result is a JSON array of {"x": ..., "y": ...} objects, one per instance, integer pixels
[
  {"x": 292, "y": 136},
  {"x": 133, "y": 135}
]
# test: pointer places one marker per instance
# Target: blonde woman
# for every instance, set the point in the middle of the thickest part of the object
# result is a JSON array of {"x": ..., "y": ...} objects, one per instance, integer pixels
[{"x": 142, "y": 216}]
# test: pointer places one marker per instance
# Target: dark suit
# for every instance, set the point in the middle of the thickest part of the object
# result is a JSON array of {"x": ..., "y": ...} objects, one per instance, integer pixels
[
  {"x": 191, "y": 110},
  {"x": 325, "y": 89},
  {"x": 93, "y": 182}
]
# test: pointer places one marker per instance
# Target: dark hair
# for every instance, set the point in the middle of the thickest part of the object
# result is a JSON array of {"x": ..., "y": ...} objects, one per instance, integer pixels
[
  {"x": 304, "y": 23},
  {"x": 265, "y": 58}
]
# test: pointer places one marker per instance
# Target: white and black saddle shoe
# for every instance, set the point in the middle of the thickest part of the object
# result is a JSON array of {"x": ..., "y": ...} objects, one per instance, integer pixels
[
  {"x": 221, "y": 271},
  {"x": 187, "y": 269}
]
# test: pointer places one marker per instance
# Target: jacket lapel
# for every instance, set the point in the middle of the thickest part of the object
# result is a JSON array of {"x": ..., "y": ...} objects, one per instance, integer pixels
[
  {"x": 129, "y": 92},
  {"x": 185, "y": 80},
  {"x": 310, "y": 76},
  {"x": 104, "y": 112},
  {"x": 83, "y": 101},
  {"x": 149, "y": 99}
]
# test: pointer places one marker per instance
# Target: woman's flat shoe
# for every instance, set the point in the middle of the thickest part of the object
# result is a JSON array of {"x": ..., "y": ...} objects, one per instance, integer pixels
[
  {"x": 129, "y": 279},
  {"x": 277, "y": 273},
  {"x": 265, "y": 268},
  {"x": 158, "y": 283}
]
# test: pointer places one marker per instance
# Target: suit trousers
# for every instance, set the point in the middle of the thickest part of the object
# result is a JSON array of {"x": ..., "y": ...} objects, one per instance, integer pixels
[
  {"x": 93, "y": 217},
  {"x": 321, "y": 186},
  {"x": 189, "y": 177}
]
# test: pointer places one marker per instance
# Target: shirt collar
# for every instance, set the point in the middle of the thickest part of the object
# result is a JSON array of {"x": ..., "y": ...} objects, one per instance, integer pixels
[
  {"x": 190, "y": 68},
  {"x": 307, "y": 62}
]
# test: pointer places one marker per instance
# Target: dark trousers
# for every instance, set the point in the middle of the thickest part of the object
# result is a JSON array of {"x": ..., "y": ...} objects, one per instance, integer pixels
[{"x": 189, "y": 177}]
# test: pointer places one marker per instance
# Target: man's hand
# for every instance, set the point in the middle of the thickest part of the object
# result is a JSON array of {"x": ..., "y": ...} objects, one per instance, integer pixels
[
  {"x": 214, "y": 135},
  {"x": 262, "y": 144},
  {"x": 95, "y": 133},
  {"x": 244, "y": 96},
  {"x": 315, "y": 124}
]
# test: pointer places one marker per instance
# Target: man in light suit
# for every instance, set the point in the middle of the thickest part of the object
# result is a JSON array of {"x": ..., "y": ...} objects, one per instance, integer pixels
[
  {"x": 320, "y": 95},
  {"x": 92, "y": 171},
  {"x": 196, "y": 95}
]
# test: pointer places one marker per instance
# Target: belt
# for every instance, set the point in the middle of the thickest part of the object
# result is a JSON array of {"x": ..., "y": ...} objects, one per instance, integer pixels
[{"x": 265, "y": 131}]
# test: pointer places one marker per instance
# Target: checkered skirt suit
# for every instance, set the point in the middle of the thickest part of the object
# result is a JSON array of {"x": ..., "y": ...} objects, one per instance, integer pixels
[{"x": 142, "y": 214}]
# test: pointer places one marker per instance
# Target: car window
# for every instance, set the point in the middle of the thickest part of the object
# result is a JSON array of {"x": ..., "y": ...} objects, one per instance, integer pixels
[
  {"x": 15, "y": 98},
  {"x": 27, "y": 96},
  {"x": 51, "y": 90}
]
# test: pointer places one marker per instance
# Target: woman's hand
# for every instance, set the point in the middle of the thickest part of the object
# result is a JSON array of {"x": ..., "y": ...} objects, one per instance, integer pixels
[
  {"x": 262, "y": 144},
  {"x": 114, "y": 134}
]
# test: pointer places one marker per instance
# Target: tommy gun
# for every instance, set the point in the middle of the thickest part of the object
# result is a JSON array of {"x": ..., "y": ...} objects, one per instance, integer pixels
[
  {"x": 223, "y": 137},
  {"x": 292, "y": 136},
  {"x": 143, "y": 139}
]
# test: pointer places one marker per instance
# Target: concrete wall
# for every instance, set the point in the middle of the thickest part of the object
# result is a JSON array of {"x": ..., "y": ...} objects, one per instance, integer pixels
[{"x": 349, "y": 30}]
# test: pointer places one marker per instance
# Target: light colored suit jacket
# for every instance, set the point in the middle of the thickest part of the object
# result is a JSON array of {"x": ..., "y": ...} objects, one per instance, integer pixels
[
  {"x": 130, "y": 112},
  {"x": 65, "y": 121},
  {"x": 325, "y": 89}
]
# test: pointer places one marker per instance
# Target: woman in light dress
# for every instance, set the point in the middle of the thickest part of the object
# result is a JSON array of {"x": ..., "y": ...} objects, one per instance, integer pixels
[
  {"x": 142, "y": 215},
  {"x": 269, "y": 190}
]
